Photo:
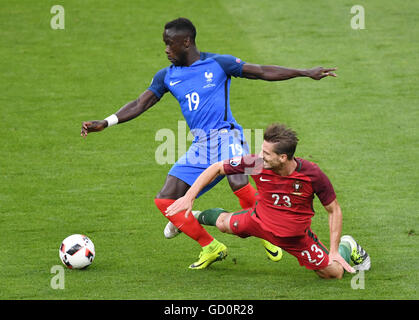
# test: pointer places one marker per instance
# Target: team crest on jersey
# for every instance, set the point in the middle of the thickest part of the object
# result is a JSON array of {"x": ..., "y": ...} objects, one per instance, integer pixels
[
  {"x": 209, "y": 75},
  {"x": 298, "y": 186},
  {"x": 234, "y": 162}
]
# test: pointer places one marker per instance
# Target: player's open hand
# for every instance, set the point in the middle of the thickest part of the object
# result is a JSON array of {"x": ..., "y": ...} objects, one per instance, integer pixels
[
  {"x": 92, "y": 126},
  {"x": 320, "y": 72},
  {"x": 181, "y": 204},
  {"x": 338, "y": 258}
]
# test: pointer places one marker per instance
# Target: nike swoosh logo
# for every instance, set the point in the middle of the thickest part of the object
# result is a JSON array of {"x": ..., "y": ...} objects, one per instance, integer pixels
[
  {"x": 198, "y": 265},
  {"x": 272, "y": 253},
  {"x": 173, "y": 83},
  {"x": 320, "y": 261},
  {"x": 220, "y": 257},
  {"x": 261, "y": 179}
]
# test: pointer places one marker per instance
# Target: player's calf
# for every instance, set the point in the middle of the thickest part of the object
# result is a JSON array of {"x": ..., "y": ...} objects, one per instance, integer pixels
[
  {"x": 216, "y": 217},
  {"x": 223, "y": 222},
  {"x": 170, "y": 231}
]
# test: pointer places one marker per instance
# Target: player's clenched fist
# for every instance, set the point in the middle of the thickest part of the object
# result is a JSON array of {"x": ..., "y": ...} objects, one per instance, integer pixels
[{"x": 92, "y": 126}]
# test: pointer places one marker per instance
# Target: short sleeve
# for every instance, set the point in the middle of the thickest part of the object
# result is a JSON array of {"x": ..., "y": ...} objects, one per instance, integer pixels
[
  {"x": 232, "y": 66},
  {"x": 323, "y": 188},
  {"x": 157, "y": 85}
]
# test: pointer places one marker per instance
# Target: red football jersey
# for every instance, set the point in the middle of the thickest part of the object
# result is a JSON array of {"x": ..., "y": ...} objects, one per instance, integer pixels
[{"x": 284, "y": 203}]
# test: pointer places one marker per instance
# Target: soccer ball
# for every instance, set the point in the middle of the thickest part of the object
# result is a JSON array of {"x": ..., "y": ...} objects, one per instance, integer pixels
[{"x": 77, "y": 251}]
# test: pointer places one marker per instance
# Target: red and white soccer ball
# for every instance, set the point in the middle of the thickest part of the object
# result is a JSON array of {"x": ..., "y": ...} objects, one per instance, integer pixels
[{"x": 77, "y": 251}]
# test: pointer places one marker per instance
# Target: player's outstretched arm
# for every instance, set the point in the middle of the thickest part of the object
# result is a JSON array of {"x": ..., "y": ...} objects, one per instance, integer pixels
[
  {"x": 186, "y": 202},
  {"x": 130, "y": 111},
  {"x": 335, "y": 227},
  {"x": 277, "y": 73}
]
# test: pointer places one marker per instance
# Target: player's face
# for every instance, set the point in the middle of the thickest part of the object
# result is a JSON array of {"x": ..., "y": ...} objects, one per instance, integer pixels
[
  {"x": 175, "y": 47},
  {"x": 272, "y": 160}
]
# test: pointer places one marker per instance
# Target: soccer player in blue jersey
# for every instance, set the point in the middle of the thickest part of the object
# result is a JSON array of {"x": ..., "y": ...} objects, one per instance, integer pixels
[{"x": 200, "y": 81}]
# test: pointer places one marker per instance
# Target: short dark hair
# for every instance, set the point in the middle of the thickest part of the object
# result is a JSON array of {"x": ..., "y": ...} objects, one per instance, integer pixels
[
  {"x": 285, "y": 139},
  {"x": 182, "y": 24}
]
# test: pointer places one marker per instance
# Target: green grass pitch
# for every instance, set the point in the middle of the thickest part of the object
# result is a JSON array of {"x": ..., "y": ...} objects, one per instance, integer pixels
[{"x": 361, "y": 128}]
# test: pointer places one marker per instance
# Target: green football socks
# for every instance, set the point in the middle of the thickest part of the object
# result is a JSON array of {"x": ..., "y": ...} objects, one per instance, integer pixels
[
  {"x": 209, "y": 217},
  {"x": 345, "y": 251}
]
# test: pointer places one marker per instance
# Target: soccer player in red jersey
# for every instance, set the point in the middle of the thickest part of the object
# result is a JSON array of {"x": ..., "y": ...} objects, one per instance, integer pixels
[{"x": 282, "y": 214}]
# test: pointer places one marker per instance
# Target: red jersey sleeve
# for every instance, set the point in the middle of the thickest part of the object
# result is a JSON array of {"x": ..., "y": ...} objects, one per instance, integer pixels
[
  {"x": 323, "y": 187},
  {"x": 249, "y": 164}
]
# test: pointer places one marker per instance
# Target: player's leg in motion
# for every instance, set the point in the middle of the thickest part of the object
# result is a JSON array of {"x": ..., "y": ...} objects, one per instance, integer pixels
[
  {"x": 213, "y": 250},
  {"x": 246, "y": 194},
  {"x": 220, "y": 218},
  {"x": 247, "y": 197},
  {"x": 241, "y": 187},
  {"x": 243, "y": 190}
]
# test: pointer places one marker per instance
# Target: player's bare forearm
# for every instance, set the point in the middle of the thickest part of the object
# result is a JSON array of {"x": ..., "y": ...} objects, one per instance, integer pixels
[
  {"x": 270, "y": 73},
  {"x": 206, "y": 177},
  {"x": 186, "y": 202},
  {"x": 278, "y": 73},
  {"x": 135, "y": 108},
  {"x": 130, "y": 111},
  {"x": 335, "y": 224}
]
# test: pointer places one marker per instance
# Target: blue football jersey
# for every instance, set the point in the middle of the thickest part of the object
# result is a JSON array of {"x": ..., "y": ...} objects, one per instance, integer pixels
[{"x": 202, "y": 90}]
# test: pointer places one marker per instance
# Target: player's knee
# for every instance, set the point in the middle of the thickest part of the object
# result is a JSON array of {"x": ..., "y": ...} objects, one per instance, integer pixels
[
  {"x": 222, "y": 222},
  {"x": 220, "y": 225},
  {"x": 173, "y": 188},
  {"x": 329, "y": 273},
  {"x": 238, "y": 181},
  {"x": 169, "y": 194},
  {"x": 329, "y": 276},
  {"x": 337, "y": 276}
]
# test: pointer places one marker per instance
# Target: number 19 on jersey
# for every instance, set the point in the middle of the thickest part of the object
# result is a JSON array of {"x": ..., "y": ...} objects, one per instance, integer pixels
[{"x": 193, "y": 100}]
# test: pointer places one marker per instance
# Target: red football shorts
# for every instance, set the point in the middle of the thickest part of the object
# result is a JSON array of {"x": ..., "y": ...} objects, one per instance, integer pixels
[{"x": 309, "y": 251}]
